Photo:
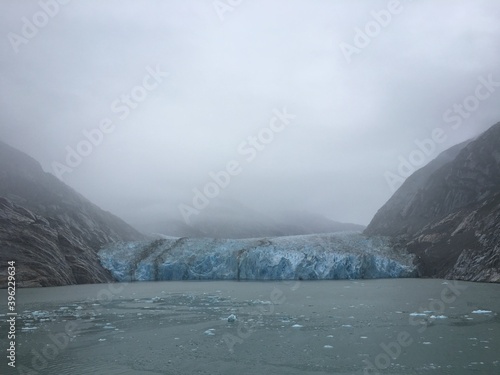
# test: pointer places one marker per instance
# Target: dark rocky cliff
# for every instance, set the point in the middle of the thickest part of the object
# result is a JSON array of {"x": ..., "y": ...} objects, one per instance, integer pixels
[
  {"x": 448, "y": 213},
  {"x": 52, "y": 232}
]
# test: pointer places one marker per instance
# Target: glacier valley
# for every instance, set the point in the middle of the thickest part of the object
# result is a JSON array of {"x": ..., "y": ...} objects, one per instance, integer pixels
[{"x": 347, "y": 255}]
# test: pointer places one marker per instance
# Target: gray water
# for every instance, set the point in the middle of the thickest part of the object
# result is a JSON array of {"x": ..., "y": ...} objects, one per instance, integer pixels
[{"x": 392, "y": 326}]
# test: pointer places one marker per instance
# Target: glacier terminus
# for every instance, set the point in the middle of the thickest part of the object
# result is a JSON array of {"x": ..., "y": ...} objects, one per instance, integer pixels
[{"x": 347, "y": 255}]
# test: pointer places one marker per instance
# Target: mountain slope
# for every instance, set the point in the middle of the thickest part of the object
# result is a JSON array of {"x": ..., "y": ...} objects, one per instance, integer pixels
[
  {"x": 448, "y": 212},
  {"x": 51, "y": 231},
  {"x": 402, "y": 213}
]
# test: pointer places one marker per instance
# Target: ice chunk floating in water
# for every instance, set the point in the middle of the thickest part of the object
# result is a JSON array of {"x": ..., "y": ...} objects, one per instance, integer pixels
[
  {"x": 481, "y": 312},
  {"x": 311, "y": 257}
]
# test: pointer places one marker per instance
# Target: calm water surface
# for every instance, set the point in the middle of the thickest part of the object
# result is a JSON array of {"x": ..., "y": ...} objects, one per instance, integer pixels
[{"x": 396, "y": 326}]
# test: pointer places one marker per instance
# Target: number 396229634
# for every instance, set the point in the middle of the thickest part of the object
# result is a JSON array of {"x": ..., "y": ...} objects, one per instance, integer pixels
[{"x": 11, "y": 286}]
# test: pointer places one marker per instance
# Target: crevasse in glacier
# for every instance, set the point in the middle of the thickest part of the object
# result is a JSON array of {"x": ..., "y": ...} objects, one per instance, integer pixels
[{"x": 310, "y": 257}]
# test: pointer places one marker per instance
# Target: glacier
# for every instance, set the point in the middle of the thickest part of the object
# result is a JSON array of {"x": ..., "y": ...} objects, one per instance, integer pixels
[{"x": 308, "y": 257}]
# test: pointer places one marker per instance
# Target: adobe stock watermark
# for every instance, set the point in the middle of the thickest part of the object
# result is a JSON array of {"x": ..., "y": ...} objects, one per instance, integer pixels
[
  {"x": 31, "y": 26},
  {"x": 454, "y": 116},
  {"x": 59, "y": 342},
  {"x": 222, "y": 7},
  {"x": 392, "y": 350},
  {"x": 121, "y": 107},
  {"x": 248, "y": 149},
  {"x": 363, "y": 36}
]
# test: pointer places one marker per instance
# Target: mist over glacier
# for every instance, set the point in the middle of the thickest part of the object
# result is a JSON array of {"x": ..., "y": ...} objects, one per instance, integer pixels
[{"x": 345, "y": 255}]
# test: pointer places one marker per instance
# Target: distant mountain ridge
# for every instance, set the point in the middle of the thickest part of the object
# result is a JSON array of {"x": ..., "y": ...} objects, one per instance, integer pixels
[
  {"x": 51, "y": 231},
  {"x": 448, "y": 212},
  {"x": 233, "y": 220}
]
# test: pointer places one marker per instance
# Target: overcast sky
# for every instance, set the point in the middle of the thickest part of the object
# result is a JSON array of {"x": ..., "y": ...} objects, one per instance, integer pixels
[{"x": 230, "y": 67}]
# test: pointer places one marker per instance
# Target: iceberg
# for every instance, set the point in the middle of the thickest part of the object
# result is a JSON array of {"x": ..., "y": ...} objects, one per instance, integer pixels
[{"x": 348, "y": 255}]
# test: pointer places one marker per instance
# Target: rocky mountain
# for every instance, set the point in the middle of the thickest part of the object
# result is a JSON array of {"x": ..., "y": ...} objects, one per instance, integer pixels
[
  {"x": 448, "y": 213},
  {"x": 52, "y": 232}
]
